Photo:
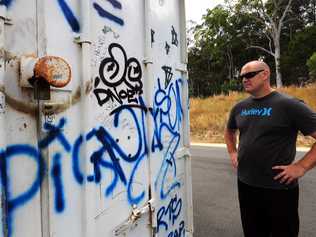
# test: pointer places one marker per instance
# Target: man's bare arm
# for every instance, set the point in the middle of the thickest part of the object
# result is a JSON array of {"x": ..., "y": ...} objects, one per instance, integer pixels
[
  {"x": 298, "y": 169},
  {"x": 230, "y": 137},
  {"x": 309, "y": 160}
]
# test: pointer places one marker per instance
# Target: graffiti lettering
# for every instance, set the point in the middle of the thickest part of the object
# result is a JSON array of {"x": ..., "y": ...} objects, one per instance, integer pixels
[
  {"x": 178, "y": 232},
  {"x": 174, "y": 37},
  {"x": 167, "y": 217},
  {"x": 167, "y": 116},
  {"x": 12, "y": 203},
  {"x": 114, "y": 75},
  {"x": 56, "y": 174},
  {"x": 55, "y": 133},
  {"x": 108, "y": 156},
  {"x": 167, "y": 48},
  {"x": 152, "y": 33},
  {"x": 107, "y": 29},
  {"x": 168, "y": 75}
]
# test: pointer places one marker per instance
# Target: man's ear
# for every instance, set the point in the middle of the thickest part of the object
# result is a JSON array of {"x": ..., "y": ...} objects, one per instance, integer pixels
[{"x": 265, "y": 75}]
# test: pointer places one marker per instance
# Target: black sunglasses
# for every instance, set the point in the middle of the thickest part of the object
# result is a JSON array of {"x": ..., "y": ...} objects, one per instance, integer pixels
[{"x": 249, "y": 75}]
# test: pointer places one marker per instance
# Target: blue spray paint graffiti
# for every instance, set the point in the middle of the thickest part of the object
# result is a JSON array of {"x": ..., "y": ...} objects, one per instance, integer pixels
[
  {"x": 55, "y": 133},
  {"x": 109, "y": 156},
  {"x": 73, "y": 21},
  {"x": 167, "y": 217},
  {"x": 69, "y": 15},
  {"x": 115, "y": 4},
  {"x": 57, "y": 179},
  {"x": 105, "y": 14},
  {"x": 163, "y": 116},
  {"x": 6, "y": 3},
  {"x": 13, "y": 203}
]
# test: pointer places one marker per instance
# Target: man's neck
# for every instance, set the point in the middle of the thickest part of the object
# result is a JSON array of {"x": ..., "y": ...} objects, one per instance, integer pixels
[{"x": 262, "y": 93}]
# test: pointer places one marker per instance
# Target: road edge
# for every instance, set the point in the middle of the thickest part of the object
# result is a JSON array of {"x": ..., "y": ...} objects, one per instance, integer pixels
[{"x": 221, "y": 145}]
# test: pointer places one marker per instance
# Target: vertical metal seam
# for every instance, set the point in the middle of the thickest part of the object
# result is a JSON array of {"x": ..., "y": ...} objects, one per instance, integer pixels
[
  {"x": 148, "y": 132},
  {"x": 44, "y": 187},
  {"x": 88, "y": 192},
  {"x": 4, "y": 206},
  {"x": 186, "y": 116}
]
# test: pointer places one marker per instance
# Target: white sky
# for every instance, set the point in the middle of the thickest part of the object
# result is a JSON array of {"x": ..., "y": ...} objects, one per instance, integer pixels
[{"x": 196, "y": 8}]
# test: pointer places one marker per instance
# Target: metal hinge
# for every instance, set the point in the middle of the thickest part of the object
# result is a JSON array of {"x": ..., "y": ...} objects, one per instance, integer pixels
[
  {"x": 148, "y": 61},
  {"x": 3, "y": 15},
  {"x": 183, "y": 152},
  {"x": 79, "y": 40},
  {"x": 182, "y": 68}
]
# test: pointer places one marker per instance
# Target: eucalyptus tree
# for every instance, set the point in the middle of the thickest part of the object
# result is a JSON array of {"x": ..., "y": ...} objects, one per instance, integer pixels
[{"x": 272, "y": 14}]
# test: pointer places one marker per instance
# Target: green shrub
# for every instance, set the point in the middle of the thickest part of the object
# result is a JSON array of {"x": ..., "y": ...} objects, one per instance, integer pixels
[{"x": 311, "y": 63}]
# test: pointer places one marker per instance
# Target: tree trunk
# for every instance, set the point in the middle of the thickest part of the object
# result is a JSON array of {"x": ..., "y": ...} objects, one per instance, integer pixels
[{"x": 277, "y": 57}]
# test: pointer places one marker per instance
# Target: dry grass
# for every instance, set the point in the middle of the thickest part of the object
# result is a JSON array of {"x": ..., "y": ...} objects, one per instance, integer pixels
[{"x": 208, "y": 116}]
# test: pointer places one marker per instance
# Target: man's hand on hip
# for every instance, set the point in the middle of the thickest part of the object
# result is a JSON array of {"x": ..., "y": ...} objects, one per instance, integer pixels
[
  {"x": 289, "y": 173},
  {"x": 234, "y": 159}
]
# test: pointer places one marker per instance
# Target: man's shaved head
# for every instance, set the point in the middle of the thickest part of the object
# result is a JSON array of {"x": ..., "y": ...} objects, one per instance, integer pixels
[{"x": 255, "y": 66}]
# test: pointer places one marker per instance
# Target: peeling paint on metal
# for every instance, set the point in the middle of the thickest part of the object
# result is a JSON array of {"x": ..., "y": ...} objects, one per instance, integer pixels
[{"x": 55, "y": 70}]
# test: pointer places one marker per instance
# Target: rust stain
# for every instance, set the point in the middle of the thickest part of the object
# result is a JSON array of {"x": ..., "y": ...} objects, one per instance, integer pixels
[
  {"x": 21, "y": 106},
  {"x": 55, "y": 70},
  {"x": 31, "y": 108}
]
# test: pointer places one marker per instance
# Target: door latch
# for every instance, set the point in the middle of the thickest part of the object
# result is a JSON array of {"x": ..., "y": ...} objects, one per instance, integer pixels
[{"x": 135, "y": 215}]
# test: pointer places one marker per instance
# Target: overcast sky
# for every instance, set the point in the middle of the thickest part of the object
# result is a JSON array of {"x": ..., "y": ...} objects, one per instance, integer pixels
[{"x": 196, "y": 8}]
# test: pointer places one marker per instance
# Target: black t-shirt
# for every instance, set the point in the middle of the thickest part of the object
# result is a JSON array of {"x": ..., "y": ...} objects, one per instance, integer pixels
[{"x": 268, "y": 129}]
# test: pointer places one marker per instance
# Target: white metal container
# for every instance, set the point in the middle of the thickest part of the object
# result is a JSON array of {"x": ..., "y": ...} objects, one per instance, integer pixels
[{"x": 94, "y": 119}]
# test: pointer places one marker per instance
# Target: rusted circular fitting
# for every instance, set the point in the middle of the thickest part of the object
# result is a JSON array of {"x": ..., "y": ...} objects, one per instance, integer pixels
[{"x": 55, "y": 70}]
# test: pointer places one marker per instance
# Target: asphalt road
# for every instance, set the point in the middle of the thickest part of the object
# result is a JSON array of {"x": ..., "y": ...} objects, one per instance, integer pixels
[{"x": 216, "y": 211}]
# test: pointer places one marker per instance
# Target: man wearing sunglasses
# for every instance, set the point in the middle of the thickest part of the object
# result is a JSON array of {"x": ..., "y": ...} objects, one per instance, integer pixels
[{"x": 268, "y": 123}]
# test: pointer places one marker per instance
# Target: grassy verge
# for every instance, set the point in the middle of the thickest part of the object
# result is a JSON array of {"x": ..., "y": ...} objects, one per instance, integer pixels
[{"x": 208, "y": 116}]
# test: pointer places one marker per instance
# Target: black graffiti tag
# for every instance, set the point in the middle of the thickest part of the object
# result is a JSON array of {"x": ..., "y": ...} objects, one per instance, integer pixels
[
  {"x": 168, "y": 75},
  {"x": 122, "y": 79},
  {"x": 167, "y": 48},
  {"x": 174, "y": 37},
  {"x": 152, "y": 34}
]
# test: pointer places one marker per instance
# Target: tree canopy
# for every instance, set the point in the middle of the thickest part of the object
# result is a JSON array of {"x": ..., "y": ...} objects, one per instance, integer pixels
[{"x": 281, "y": 32}]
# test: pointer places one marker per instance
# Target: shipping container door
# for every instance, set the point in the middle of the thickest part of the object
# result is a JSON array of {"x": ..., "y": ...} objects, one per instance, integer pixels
[
  {"x": 102, "y": 144},
  {"x": 20, "y": 163},
  {"x": 120, "y": 108},
  {"x": 169, "y": 160}
]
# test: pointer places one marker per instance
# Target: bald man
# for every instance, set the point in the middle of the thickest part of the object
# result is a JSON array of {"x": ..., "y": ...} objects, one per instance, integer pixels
[{"x": 268, "y": 123}]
